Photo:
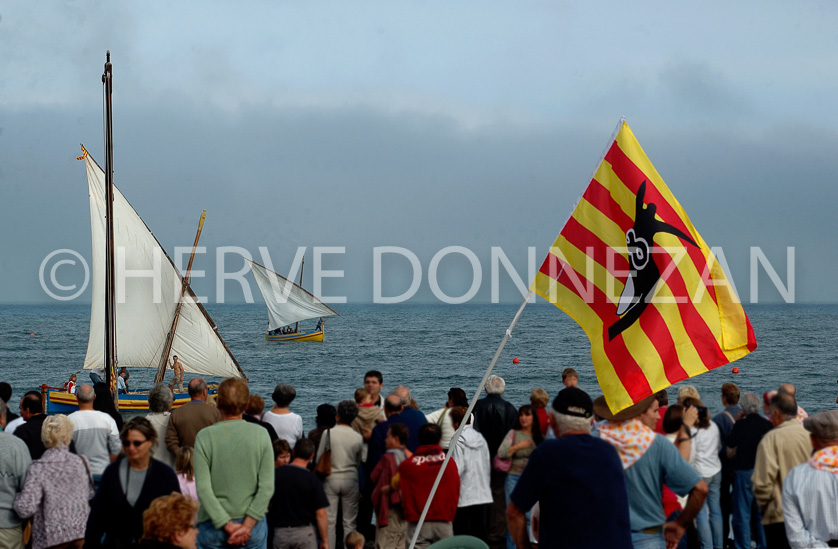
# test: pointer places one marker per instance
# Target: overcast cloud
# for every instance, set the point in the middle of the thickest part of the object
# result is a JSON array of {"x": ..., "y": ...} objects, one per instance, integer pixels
[{"x": 416, "y": 124}]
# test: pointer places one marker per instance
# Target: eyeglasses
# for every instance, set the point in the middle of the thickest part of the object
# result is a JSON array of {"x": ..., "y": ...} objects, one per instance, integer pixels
[{"x": 134, "y": 443}]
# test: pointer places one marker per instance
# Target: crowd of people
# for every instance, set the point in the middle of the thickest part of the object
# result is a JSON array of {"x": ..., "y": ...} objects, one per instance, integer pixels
[{"x": 221, "y": 471}]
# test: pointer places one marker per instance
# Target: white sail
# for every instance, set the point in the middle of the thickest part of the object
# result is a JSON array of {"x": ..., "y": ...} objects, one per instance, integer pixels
[
  {"x": 147, "y": 291},
  {"x": 287, "y": 302}
]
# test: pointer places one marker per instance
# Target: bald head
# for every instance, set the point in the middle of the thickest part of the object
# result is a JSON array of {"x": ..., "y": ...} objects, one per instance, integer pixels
[
  {"x": 783, "y": 407},
  {"x": 31, "y": 405},
  {"x": 85, "y": 396},
  {"x": 197, "y": 389},
  {"x": 403, "y": 393},
  {"x": 392, "y": 405},
  {"x": 787, "y": 389}
]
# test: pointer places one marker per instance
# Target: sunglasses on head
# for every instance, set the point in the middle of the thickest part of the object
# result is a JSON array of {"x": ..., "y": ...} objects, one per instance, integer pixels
[{"x": 135, "y": 443}]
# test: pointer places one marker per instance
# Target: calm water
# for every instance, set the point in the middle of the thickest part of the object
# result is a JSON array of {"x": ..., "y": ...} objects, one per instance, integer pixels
[{"x": 430, "y": 348}]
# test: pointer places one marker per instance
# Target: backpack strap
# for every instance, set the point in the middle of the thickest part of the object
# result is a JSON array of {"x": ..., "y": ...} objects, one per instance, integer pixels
[{"x": 442, "y": 417}]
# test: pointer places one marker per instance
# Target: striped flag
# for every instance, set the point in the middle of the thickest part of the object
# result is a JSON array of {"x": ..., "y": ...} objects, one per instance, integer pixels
[{"x": 631, "y": 269}]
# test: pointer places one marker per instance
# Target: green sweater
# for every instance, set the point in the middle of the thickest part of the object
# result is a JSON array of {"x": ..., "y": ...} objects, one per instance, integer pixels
[{"x": 234, "y": 471}]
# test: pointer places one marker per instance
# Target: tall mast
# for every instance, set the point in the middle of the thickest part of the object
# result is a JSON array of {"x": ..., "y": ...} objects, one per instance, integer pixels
[
  {"x": 302, "y": 264},
  {"x": 110, "y": 285},
  {"x": 170, "y": 338}
]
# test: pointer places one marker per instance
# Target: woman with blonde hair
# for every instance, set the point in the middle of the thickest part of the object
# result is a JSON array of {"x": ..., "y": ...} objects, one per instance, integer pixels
[
  {"x": 60, "y": 507},
  {"x": 169, "y": 523},
  {"x": 539, "y": 400},
  {"x": 687, "y": 391}
]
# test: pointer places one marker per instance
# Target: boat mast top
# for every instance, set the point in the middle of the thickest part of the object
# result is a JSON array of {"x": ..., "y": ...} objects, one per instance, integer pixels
[{"x": 110, "y": 286}]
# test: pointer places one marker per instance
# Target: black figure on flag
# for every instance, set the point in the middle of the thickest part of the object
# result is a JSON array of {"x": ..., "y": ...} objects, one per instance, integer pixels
[{"x": 644, "y": 273}]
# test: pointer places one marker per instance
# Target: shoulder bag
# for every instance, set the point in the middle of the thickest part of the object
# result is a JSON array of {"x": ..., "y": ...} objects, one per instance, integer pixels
[
  {"x": 324, "y": 464},
  {"x": 502, "y": 465}
]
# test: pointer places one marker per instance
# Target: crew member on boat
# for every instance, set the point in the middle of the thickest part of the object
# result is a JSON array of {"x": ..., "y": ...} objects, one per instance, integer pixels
[
  {"x": 121, "y": 385},
  {"x": 70, "y": 385},
  {"x": 177, "y": 379}
]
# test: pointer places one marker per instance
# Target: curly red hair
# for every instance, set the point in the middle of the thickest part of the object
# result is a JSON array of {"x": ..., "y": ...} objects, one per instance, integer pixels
[{"x": 168, "y": 516}]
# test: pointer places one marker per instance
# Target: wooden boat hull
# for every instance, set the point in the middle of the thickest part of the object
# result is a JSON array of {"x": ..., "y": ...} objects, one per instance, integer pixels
[
  {"x": 61, "y": 402},
  {"x": 313, "y": 335}
]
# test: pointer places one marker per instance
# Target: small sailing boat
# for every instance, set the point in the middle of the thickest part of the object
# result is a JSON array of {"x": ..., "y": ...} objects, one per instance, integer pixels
[
  {"x": 151, "y": 317},
  {"x": 288, "y": 303}
]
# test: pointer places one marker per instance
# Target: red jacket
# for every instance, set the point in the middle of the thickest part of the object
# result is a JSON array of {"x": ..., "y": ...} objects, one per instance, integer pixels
[
  {"x": 417, "y": 476},
  {"x": 381, "y": 476}
]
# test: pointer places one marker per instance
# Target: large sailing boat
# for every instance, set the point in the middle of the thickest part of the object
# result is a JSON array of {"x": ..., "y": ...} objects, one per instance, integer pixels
[
  {"x": 288, "y": 303},
  {"x": 156, "y": 315}
]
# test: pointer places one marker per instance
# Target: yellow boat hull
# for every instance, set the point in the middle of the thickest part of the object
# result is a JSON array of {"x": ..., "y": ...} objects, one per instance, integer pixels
[
  {"x": 299, "y": 336},
  {"x": 60, "y": 402}
]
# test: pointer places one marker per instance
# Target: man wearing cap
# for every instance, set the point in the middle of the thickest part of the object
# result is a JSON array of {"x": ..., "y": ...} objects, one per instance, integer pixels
[
  {"x": 649, "y": 461},
  {"x": 810, "y": 492},
  {"x": 577, "y": 480},
  {"x": 785, "y": 446}
]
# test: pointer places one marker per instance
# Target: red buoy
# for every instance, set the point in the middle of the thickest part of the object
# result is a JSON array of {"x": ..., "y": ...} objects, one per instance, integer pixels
[
  {"x": 31, "y": 335},
  {"x": 735, "y": 370},
  {"x": 515, "y": 360}
]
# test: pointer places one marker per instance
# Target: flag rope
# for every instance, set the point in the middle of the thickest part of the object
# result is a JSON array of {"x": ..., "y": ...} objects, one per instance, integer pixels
[{"x": 456, "y": 438}]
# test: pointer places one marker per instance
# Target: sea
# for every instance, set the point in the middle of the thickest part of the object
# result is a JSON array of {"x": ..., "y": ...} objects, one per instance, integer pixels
[{"x": 430, "y": 349}]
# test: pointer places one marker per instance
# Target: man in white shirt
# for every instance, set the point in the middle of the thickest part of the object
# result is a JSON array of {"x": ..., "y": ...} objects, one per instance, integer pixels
[
  {"x": 810, "y": 507},
  {"x": 94, "y": 433},
  {"x": 18, "y": 421}
]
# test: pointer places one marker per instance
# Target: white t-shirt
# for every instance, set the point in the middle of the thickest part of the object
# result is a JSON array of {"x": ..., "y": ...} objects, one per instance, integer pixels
[
  {"x": 704, "y": 450},
  {"x": 14, "y": 424},
  {"x": 287, "y": 426}
]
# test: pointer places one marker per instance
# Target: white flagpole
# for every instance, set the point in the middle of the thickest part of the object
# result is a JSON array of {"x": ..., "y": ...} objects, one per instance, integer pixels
[{"x": 463, "y": 423}]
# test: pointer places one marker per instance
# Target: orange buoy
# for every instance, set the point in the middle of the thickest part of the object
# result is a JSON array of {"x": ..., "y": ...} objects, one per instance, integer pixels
[
  {"x": 31, "y": 335},
  {"x": 515, "y": 360},
  {"x": 735, "y": 370}
]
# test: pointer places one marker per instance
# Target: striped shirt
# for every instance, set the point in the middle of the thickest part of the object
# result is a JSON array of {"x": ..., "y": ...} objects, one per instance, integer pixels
[
  {"x": 810, "y": 506},
  {"x": 95, "y": 437}
]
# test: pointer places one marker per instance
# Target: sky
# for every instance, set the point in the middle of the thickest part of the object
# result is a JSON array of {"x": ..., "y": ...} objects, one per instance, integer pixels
[{"x": 351, "y": 126}]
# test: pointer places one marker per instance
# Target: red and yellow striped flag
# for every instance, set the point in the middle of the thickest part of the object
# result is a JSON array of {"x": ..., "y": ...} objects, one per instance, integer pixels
[{"x": 631, "y": 269}]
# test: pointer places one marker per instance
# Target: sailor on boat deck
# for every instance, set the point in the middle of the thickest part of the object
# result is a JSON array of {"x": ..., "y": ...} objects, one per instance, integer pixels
[
  {"x": 97, "y": 375},
  {"x": 177, "y": 379},
  {"x": 121, "y": 386},
  {"x": 70, "y": 385}
]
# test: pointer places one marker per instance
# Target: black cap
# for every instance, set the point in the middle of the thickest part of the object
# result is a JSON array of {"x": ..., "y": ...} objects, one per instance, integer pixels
[{"x": 573, "y": 401}]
